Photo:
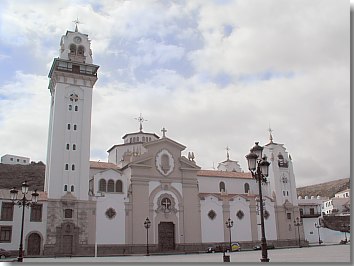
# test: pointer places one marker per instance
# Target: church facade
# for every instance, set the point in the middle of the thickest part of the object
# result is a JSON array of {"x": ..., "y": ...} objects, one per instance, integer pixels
[{"x": 100, "y": 207}]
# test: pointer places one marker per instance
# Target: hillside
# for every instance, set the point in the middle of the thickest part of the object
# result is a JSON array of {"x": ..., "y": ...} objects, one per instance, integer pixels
[
  {"x": 327, "y": 189},
  {"x": 13, "y": 175}
]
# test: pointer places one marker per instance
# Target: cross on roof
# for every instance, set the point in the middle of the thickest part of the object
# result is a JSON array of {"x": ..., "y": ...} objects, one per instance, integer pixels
[
  {"x": 141, "y": 120},
  {"x": 76, "y": 21},
  {"x": 164, "y": 132}
]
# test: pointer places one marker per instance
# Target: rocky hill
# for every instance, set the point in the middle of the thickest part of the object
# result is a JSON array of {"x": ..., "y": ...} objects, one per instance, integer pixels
[
  {"x": 327, "y": 189},
  {"x": 13, "y": 175}
]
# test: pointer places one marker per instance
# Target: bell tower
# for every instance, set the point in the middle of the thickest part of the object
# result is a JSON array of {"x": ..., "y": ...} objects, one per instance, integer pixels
[{"x": 72, "y": 77}]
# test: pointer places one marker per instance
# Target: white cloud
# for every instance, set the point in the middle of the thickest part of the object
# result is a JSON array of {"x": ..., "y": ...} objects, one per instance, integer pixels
[{"x": 286, "y": 63}]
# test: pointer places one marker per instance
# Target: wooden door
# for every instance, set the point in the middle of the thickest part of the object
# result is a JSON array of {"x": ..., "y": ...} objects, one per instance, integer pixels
[
  {"x": 34, "y": 244},
  {"x": 166, "y": 236}
]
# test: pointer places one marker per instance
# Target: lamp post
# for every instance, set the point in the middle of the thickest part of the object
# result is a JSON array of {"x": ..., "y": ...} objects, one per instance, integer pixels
[
  {"x": 229, "y": 223},
  {"x": 147, "y": 224},
  {"x": 259, "y": 168},
  {"x": 318, "y": 232},
  {"x": 298, "y": 223},
  {"x": 24, "y": 202}
]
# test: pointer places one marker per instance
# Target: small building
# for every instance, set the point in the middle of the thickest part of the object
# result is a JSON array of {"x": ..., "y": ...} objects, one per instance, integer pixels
[{"x": 14, "y": 159}]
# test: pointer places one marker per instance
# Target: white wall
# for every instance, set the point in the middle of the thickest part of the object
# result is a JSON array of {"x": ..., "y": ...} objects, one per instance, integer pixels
[
  {"x": 14, "y": 159},
  {"x": 241, "y": 230},
  {"x": 212, "y": 230},
  {"x": 110, "y": 231}
]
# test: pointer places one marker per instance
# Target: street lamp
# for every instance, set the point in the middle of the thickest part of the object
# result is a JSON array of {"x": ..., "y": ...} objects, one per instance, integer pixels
[
  {"x": 147, "y": 224},
  {"x": 259, "y": 168},
  {"x": 318, "y": 226},
  {"x": 229, "y": 223},
  {"x": 298, "y": 223},
  {"x": 24, "y": 202}
]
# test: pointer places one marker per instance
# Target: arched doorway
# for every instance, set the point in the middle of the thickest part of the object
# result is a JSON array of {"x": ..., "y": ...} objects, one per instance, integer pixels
[{"x": 34, "y": 244}]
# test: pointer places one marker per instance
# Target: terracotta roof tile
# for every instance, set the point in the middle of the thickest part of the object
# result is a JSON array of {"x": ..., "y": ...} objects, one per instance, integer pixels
[
  {"x": 103, "y": 165},
  {"x": 214, "y": 173}
]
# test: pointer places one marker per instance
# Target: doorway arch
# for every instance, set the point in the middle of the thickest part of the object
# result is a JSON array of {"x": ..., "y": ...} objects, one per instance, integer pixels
[{"x": 34, "y": 242}]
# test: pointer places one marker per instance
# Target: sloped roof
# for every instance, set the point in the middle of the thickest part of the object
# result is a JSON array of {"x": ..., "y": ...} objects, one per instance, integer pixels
[
  {"x": 103, "y": 165},
  {"x": 214, "y": 173}
]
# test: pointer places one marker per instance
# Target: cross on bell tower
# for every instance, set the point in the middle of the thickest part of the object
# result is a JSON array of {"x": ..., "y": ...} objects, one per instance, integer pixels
[{"x": 76, "y": 21}]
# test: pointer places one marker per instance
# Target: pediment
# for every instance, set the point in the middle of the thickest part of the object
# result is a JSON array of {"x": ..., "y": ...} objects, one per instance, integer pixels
[{"x": 164, "y": 141}]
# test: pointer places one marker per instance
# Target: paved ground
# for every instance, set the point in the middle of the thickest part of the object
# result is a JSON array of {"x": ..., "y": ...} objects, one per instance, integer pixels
[{"x": 320, "y": 254}]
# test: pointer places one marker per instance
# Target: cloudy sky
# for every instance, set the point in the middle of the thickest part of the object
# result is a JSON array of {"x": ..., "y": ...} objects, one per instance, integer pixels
[{"x": 214, "y": 73}]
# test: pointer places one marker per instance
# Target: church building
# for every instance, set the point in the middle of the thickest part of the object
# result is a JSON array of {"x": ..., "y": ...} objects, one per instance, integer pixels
[{"x": 100, "y": 207}]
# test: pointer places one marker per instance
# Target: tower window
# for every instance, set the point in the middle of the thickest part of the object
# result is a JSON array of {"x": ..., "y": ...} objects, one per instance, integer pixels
[
  {"x": 222, "y": 186},
  {"x": 76, "y": 108},
  {"x": 65, "y": 187},
  {"x": 70, "y": 107},
  {"x": 66, "y": 167},
  {"x": 72, "y": 188},
  {"x": 75, "y": 127},
  {"x": 68, "y": 213},
  {"x": 67, "y": 146},
  {"x": 72, "y": 48},
  {"x": 73, "y": 167},
  {"x": 247, "y": 187},
  {"x": 68, "y": 126},
  {"x": 80, "y": 50},
  {"x": 74, "y": 147}
]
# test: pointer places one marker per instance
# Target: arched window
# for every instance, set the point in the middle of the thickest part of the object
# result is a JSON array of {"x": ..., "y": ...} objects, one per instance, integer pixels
[
  {"x": 72, "y": 188},
  {"x": 73, "y": 167},
  {"x": 119, "y": 186},
  {"x": 67, "y": 146},
  {"x": 72, "y": 48},
  {"x": 143, "y": 139},
  {"x": 134, "y": 139},
  {"x": 110, "y": 186},
  {"x": 75, "y": 127},
  {"x": 80, "y": 50},
  {"x": 65, "y": 187},
  {"x": 137, "y": 138},
  {"x": 74, "y": 147},
  {"x": 76, "y": 108},
  {"x": 247, "y": 187},
  {"x": 70, "y": 107},
  {"x": 102, "y": 185},
  {"x": 66, "y": 167},
  {"x": 222, "y": 186}
]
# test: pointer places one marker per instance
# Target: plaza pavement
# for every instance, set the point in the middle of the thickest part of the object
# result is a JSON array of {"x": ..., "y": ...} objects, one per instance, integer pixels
[{"x": 332, "y": 254}]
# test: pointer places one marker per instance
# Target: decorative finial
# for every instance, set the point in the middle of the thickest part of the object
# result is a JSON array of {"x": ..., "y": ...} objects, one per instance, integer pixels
[
  {"x": 227, "y": 152},
  {"x": 76, "y": 23},
  {"x": 164, "y": 132},
  {"x": 141, "y": 120},
  {"x": 270, "y": 134}
]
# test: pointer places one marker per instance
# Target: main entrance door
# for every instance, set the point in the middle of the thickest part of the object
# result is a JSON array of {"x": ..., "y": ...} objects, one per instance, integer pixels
[
  {"x": 67, "y": 244},
  {"x": 166, "y": 236},
  {"x": 34, "y": 244}
]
